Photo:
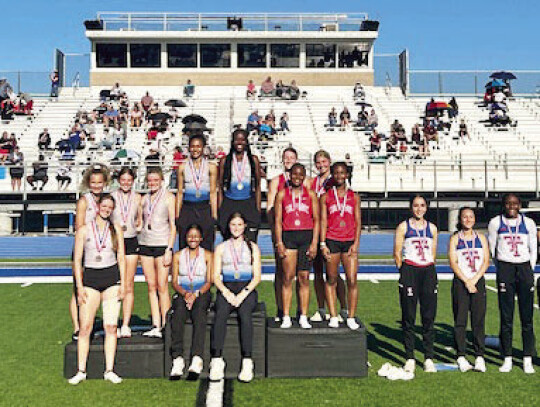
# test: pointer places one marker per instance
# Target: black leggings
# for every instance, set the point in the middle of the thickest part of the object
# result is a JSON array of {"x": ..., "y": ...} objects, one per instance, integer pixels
[
  {"x": 245, "y": 320},
  {"x": 418, "y": 284},
  {"x": 180, "y": 314}
]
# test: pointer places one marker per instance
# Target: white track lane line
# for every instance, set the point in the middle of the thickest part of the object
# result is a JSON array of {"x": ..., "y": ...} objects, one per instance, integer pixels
[
  {"x": 374, "y": 281},
  {"x": 214, "y": 395}
]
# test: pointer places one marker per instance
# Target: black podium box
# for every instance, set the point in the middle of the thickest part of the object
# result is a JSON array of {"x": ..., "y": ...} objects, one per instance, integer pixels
[
  {"x": 231, "y": 350},
  {"x": 136, "y": 357},
  {"x": 316, "y": 352}
]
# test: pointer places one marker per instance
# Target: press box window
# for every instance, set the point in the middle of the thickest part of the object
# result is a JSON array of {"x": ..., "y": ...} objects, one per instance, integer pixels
[
  {"x": 111, "y": 55},
  {"x": 215, "y": 55},
  {"x": 182, "y": 55},
  {"x": 320, "y": 56},
  {"x": 251, "y": 55},
  {"x": 285, "y": 55},
  {"x": 145, "y": 55}
]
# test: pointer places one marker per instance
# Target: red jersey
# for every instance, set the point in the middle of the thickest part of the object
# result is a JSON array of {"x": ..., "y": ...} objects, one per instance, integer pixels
[
  {"x": 283, "y": 181},
  {"x": 320, "y": 187},
  {"x": 297, "y": 214},
  {"x": 341, "y": 224}
]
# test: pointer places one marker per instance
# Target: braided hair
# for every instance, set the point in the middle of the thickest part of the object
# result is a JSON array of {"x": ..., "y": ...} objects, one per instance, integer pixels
[{"x": 227, "y": 173}]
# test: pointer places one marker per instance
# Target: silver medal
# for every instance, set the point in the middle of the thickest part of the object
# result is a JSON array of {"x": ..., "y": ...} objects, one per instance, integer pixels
[
  {"x": 124, "y": 228},
  {"x": 297, "y": 222},
  {"x": 98, "y": 258},
  {"x": 240, "y": 187}
]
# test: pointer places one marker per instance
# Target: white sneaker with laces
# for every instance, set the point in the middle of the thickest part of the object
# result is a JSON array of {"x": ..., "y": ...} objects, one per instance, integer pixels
[
  {"x": 196, "y": 366},
  {"x": 384, "y": 370},
  {"x": 286, "y": 323},
  {"x": 410, "y": 365},
  {"x": 125, "y": 332},
  {"x": 463, "y": 364},
  {"x": 317, "y": 317},
  {"x": 304, "y": 323},
  {"x": 352, "y": 324},
  {"x": 507, "y": 365},
  {"x": 480, "y": 364},
  {"x": 333, "y": 323},
  {"x": 217, "y": 369},
  {"x": 79, "y": 377},
  {"x": 246, "y": 373},
  {"x": 155, "y": 332},
  {"x": 528, "y": 365},
  {"x": 112, "y": 377},
  {"x": 429, "y": 366},
  {"x": 177, "y": 368}
]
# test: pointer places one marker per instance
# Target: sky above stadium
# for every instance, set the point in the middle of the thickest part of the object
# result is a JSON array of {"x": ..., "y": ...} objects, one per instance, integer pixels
[{"x": 460, "y": 34}]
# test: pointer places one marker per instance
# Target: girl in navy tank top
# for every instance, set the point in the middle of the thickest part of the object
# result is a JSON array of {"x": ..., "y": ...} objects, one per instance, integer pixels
[
  {"x": 297, "y": 232},
  {"x": 341, "y": 225}
]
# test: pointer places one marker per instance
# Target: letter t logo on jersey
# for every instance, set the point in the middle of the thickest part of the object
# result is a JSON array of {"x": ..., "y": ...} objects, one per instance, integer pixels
[
  {"x": 513, "y": 242},
  {"x": 420, "y": 245},
  {"x": 471, "y": 259}
]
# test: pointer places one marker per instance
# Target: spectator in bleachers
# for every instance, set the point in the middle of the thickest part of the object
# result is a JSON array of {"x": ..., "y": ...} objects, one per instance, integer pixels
[
  {"x": 344, "y": 118},
  {"x": 266, "y": 131},
  {"x": 391, "y": 146},
  {"x": 463, "y": 131},
  {"x": 5, "y": 146},
  {"x": 284, "y": 122},
  {"x": 44, "y": 140},
  {"x": 499, "y": 96},
  {"x": 136, "y": 116},
  {"x": 498, "y": 117},
  {"x": 220, "y": 153},
  {"x": 189, "y": 89},
  {"x": 178, "y": 158},
  {"x": 332, "y": 118},
  {"x": 63, "y": 175},
  {"x": 373, "y": 119},
  {"x": 153, "y": 159},
  {"x": 253, "y": 121},
  {"x": 397, "y": 127},
  {"x": 454, "y": 111},
  {"x": 7, "y": 109},
  {"x": 147, "y": 101},
  {"x": 119, "y": 135},
  {"x": 358, "y": 91},
  {"x": 89, "y": 129},
  {"x": 293, "y": 92},
  {"x": 375, "y": 142},
  {"x": 111, "y": 115},
  {"x": 107, "y": 140},
  {"x": 16, "y": 170},
  {"x": 55, "y": 83},
  {"x": 267, "y": 87},
  {"x": 40, "y": 169},
  {"x": 116, "y": 92},
  {"x": 280, "y": 88},
  {"x": 362, "y": 118},
  {"x": 251, "y": 90},
  {"x": 350, "y": 166},
  {"x": 5, "y": 89},
  {"x": 271, "y": 118}
]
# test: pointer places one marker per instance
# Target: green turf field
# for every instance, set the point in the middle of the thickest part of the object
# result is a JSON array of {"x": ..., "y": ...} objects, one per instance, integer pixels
[{"x": 36, "y": 326}]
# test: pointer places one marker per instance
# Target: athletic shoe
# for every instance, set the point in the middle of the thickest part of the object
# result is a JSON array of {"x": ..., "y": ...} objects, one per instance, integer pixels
[
  {"x": 340, "y": 318},
  {"x": 246, "y": 374},
  {"x": 217, "y": 369},
  {"x": 125, "y": 332},
  {"x": 527, "y": 365},
  {"x": 177, "y": 368},
  {"x": 397, "y": 373},
  {"x": 303, "y": 321},
  {"x": 507, "y": 365},
  {"x": 429, "y": 366},
  {"x": 352, "y": 324},
  {"x": 384, "y": 370},
  {"x": 79, "y": 377},
  {"x": 317, "y": 317},
  {"x": 112, "y": 377},
  {"x": 286, "y": 323},
  {"x": 480, "y": 365},
  {"x": 410, "y": 365},
  {"x": 463, "y": 364},
  {"x": 334, "y": 322},
  {"x": 75, "y": 336},
  {"x": 196, "y": 366},
  {"x": 155, "y": 332}
]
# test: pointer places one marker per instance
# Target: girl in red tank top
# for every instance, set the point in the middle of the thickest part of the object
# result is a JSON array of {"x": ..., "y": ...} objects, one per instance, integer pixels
[
  {"x": 297, "y": 231},
  {"x": 340, "y": 237}
]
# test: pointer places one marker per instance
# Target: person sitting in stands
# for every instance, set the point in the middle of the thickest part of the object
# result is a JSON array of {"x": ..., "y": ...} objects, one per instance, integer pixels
[
  {"x": 111, "y": 115},
  {"x": 284, "y": 122},
  {"x": 332, "y": 118},
  {"x": 189, "y": 89},
  {"x": 40, "y": 169},
  {"x": 136, "y": 116},
  {"x": 63, "y": 175},
  {"x": 358, "y": 91},
  {"x": 375, "y": 142},
  {"x": 5, "y": 89},
  {"x": 280, "y": 89},
  {"x": 293, "y": 91},
  {"x": 373, "y": 119},
  {"x": 344, "y": 118},
  {"x": 391, "y": 146},
  {"x": 251, "y": 91},
  {"x": 106, "y": 140},
  {"x": 463, "y": 131},
  {"x": 44, "y": 140},
  {"x": 7, "y": 109},
  {"x": 5, "y": 146},
  {"x": 362, "y": 119},
  {"x": 116, "y": 91},
  {"x": 267, "y": 87},
  {"x": 453, "y": 112},
  {"x": 253, "y": 121},
  {"x": 397, "y": 127},
  {"x": 147, "y": 101}
]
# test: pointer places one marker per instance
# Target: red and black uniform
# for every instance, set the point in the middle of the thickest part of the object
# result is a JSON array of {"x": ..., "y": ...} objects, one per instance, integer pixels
[
  {"x": 297, "y": 224},
  {"x": 341, "y": 223}
]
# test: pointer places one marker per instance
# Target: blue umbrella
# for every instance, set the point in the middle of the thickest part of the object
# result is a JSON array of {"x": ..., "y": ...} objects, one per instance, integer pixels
[
  {"x": 505, "y": 76},
  {"x": 496, "y": 83}
]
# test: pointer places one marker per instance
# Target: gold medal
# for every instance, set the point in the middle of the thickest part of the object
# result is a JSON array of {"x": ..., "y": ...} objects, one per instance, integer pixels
[
  {"x": 297, "y": 222},
  {"x": 198, "y": 194},
  {"x": 237, "y": 275},
  {"x": 240, "y": 186}
]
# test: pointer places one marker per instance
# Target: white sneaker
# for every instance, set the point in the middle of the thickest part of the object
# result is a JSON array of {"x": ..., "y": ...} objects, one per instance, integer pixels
[
  {"x": 410, "y": 365},
  {"x": 334, "y": 322},
  {"x": 79, "y": 377},
  {"x": 217, "y": 369},
  {"x": 340, "y": 318},
  {"x": 463, "y": 364},
  {"x": 480, "y": 365},
  {"x": 527, "y": 365},
  {"x": 196, "y": 366},
  {"x": 286, "y": 323},
  {"x": 112, "y": 377},
  {"x": 304, "y": 323},
  {"x": 384, "y": 370},
  {"x": 155, "y": 332},
  {"x": 507, "y": 365},
  {"x": 125, "y": 332},
  {"x": 352, "y": 324},
  {"x": 429, "y": 366},
  {"x": 177, "y": 368},
  {"x": 317, "y": 317},
  {"x": 246, "y": 374}
]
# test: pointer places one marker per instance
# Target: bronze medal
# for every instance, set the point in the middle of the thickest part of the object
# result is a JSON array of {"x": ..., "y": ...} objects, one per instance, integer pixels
[
  {"x": 98, "y": 258},
  {"x": 124, "y": 228},
  {"x": 237, "y": 275},
  {"x": 342, "y": 224}
]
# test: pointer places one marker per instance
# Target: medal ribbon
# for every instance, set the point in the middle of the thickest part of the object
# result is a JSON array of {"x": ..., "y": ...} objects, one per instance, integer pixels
[
  {"x": 341, "y": 207},
  {"x": 100, "y": 241},
  {"x": 191, "y": 264},
  {"x": 513, "y": 235},
  {"x": 92, "y": 200},
  {"x": 234, "y": 255},
  {"x": 296, "y": 205},
  {"x": 125, "y": 208},
  {"x": 239, "y": 168},
  {"x": 470, "y": 251},
  {"x": 421, "y": 234},
  {"x": 197, "y": 176},
  {"x": 152, "y": 206}
]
